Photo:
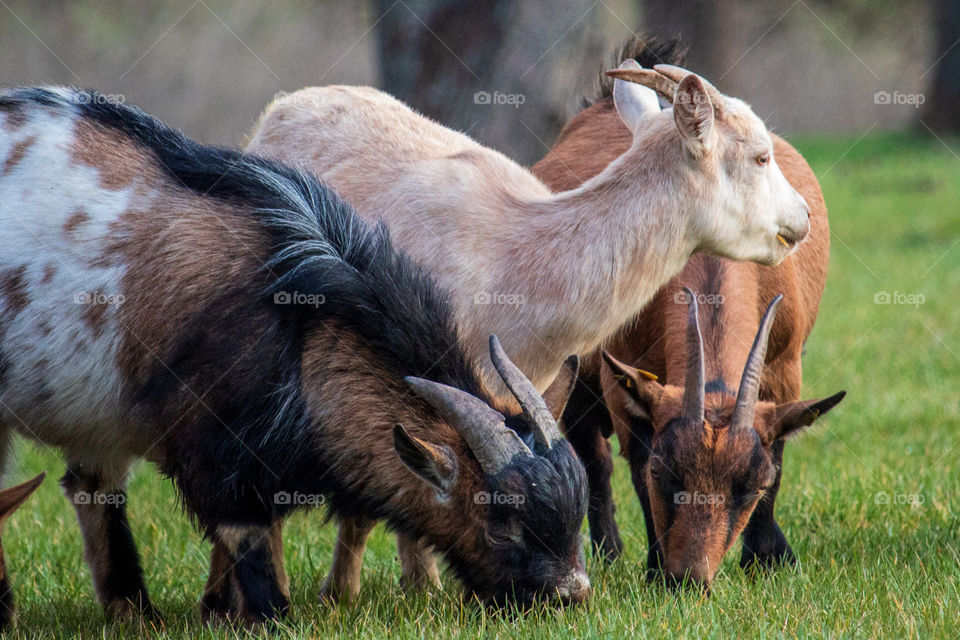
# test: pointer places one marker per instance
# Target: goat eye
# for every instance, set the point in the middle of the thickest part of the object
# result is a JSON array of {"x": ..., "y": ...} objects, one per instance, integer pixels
[{"x": 763, "y": 159}]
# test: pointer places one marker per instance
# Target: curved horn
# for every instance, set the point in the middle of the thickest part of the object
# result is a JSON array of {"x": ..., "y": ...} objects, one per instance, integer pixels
[
  {"x": 490, "y": 440},
  {"x": 663, "y": 86},
  {"x": 676, "y": 74},
  {"x": 750, "y": 380},
  {"x": 694, "y": 385},
  {"x": 545, "y": 429}
]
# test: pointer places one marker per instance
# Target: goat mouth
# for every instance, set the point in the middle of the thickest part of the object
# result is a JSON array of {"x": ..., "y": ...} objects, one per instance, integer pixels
[{"x": 787, "y": 240}]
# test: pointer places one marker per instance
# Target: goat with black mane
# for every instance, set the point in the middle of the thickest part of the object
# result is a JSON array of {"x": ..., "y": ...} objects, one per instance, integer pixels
[{"x": 233, "y": 321}]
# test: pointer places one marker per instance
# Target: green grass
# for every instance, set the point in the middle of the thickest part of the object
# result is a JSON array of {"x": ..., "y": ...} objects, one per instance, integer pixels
[{"x": 868, "y": 568}]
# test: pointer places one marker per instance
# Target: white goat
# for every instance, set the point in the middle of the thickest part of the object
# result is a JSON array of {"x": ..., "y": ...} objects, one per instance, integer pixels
[{"x": 552, "y": 274}]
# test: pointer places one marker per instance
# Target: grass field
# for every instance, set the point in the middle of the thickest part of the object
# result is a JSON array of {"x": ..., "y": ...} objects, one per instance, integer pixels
[{"x": 871, "y": 498}]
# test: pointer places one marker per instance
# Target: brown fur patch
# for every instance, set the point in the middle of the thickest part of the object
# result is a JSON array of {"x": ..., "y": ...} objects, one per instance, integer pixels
[
  {"x": 15, "y": 118},
  {"x": 13, "y": 288},
  {"x": 16, "y": 154},
  {"x": 49, "y": 271},
  {"x": 178, "y": 251},
  {"x": 118, "y": 165},
  {"x": 95, "y": 316},
  {"x": 75, "y": 220}
]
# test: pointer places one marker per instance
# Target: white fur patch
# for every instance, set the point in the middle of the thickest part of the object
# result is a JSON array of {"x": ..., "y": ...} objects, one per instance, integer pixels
[{"x": 61, "y": 385}]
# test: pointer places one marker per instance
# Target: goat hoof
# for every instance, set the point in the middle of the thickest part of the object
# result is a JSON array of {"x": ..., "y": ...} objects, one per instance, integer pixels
[
  {"x": 130, "y": 610},
  {"x": 421, "y": 582},
  {"x": 608, "y": 548},
  {"x": 768, "y": 557},
  {"x": 330, "y": 594}
]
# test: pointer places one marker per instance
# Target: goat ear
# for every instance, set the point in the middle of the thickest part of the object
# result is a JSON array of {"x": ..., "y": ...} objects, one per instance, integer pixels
[
  {"x": 794, "y": 416},
  {"x": 558, "y": 393},
  {"x": 633, "y": 101},
  {"x": 436, "y": 465},
  {"x": 641, "y": 389},
  {"x": 693, "y": 115},
  {"x": 12, "y": 498}
]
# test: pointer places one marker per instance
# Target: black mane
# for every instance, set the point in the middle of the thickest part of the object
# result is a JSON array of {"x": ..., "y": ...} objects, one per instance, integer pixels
[{"x": 648, "y": 51}]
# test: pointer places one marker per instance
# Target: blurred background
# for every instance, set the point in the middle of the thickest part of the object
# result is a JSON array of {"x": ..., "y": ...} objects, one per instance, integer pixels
[{"x": 509, "y": 73}]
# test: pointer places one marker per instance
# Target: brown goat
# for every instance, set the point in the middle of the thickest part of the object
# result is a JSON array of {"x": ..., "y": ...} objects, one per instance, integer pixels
[
  {"x": 655, "y": 343},
  {"x": 10, "y": 501}
]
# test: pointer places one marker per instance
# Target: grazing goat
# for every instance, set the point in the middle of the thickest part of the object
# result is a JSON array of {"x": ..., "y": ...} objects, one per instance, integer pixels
[
  {"x": 585, "y": 146},
  {"x": 700, "y": 454},
  {"x": 10, "y": 500},
  {"x": 236, "y": 323}
]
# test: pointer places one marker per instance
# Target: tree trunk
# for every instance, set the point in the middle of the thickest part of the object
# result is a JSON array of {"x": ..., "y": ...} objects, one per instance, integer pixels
[
  {"x": 942, "y": 110},
  {"x": 495, "y": 69}
]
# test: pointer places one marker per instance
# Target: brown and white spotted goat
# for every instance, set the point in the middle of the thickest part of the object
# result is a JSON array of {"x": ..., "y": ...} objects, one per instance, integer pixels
[{"x": 235, "y": 322}]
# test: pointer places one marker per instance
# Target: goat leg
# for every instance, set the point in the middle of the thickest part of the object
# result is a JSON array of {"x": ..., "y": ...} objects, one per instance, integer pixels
[
  {"x": 418, "y": 566},
  {"x": 99, "y": 500},
  {"x": 343, "y": 581},
  {"x": 764, "y": 544},
  {"x": 254, "y": 574},
  {"x": 585, "y": 421}
]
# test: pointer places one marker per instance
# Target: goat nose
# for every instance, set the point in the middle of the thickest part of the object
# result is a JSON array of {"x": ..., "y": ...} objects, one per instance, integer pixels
[
  {"x": 689, "y": 581},
  {"x": 574, "y": 589}
]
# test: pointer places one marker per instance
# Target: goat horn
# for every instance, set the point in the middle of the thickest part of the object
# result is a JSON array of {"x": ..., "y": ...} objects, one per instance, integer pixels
[
  {"x": 491, "y": 441},
  {"x": 676, "y": 74},
  {"x": 545, "y": 429},
  {"x": 694, "y": 384},
  {"x": 750, "y": 380},
  {"x": 647, "y": 78}
]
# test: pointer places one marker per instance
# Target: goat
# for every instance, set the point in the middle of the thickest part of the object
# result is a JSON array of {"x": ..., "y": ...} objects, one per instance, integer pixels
[
  {"x": 586, "y": 144},
  {"x": 10, "y": 501},
  {"x": 235, "y": 322},
  {"x": 549, "y": 273},
  {"x": 701, "y": 461}
]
